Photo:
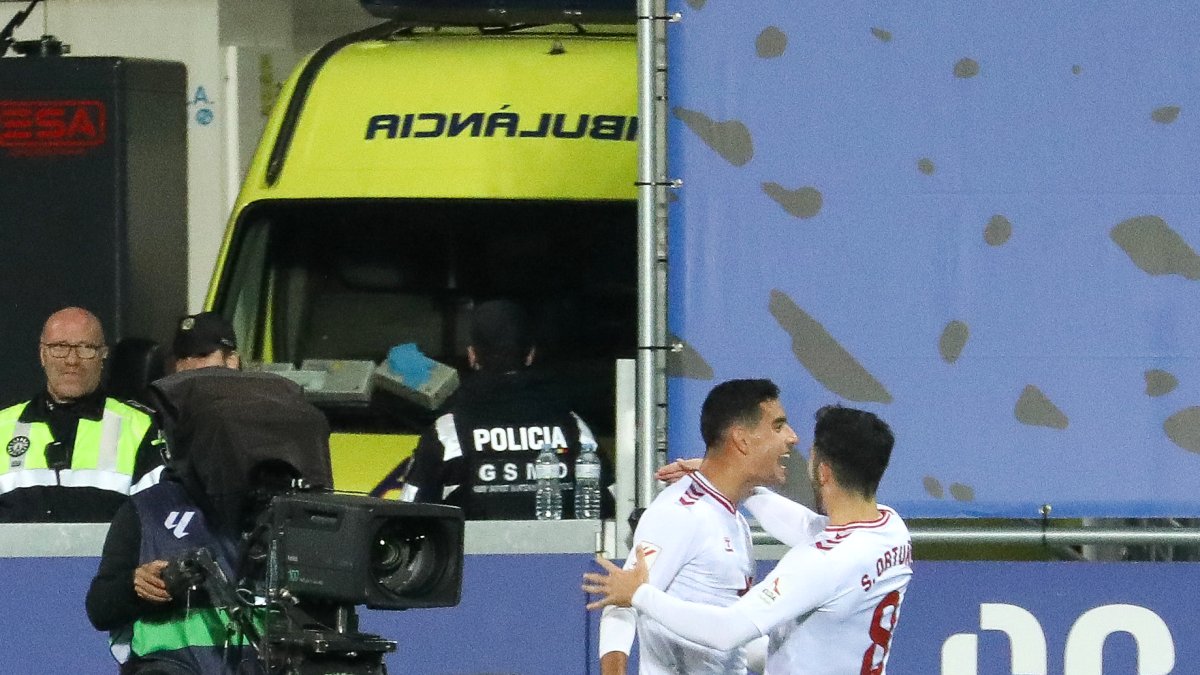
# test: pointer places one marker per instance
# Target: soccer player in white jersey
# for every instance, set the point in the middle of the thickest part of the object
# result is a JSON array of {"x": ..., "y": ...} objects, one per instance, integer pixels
[
  {"x": 831, "y": 604},
  {"x": 695, "y": 545}
]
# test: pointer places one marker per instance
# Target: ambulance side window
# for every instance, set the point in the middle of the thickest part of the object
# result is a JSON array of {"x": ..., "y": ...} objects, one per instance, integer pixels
[{"x": 248, "y": 287}]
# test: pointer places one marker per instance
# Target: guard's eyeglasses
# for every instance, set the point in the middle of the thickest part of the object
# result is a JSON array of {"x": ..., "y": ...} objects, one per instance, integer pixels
[{"x": 61, "y": 350}]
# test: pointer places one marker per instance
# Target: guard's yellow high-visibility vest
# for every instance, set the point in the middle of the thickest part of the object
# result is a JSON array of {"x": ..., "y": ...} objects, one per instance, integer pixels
[{"x": 104, "y": 455}]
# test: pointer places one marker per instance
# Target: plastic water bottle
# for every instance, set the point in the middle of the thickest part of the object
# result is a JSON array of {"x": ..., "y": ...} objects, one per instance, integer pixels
[
  {"x": 587, "y": 483},
  {"x": 549, "y": 489}
]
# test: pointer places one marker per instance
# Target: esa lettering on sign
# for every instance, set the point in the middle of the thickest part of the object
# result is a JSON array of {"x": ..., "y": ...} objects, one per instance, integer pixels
[{"x": 67, "y": 127}]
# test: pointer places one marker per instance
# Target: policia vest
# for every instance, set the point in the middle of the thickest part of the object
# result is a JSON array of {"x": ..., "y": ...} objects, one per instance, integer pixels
[
  {"x": 480, "y": 456},
  {"x": 192, "y": 635},
  {"x": 102, "y": 462}
]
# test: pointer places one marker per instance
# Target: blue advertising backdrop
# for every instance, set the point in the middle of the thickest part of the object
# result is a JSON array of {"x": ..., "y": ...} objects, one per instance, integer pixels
[
  {"x": 524, "y": 614},
  {"x": 998, "y": 618},
  {"x": 975, "y": 219}
]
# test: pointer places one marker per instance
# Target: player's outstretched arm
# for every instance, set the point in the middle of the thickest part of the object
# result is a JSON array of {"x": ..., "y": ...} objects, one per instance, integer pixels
[
  {"x": 722, "y": 628},
  {"x": 790, "y": 522},
  {"x": 718, "y": 627}
]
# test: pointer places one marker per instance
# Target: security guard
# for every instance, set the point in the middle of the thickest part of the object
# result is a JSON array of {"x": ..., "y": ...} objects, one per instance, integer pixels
[
  {"x": 73, "y": 454},
  {"x": 480, "y": 455}
]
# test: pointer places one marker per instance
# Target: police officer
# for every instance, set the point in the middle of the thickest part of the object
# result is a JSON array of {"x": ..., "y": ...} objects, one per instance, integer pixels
[
  {"x": 72, "y": 453},
  {"x": 480, "y": 455}
]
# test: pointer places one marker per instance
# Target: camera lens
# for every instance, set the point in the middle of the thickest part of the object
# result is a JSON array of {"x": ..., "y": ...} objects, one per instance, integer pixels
[
  {"x": 389, "y": 554},
  {"x": 404, "y": 560}
]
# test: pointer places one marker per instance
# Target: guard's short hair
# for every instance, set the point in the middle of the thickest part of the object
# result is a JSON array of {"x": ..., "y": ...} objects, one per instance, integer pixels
[
  {"x": 733, "y": 402},
  {"x": 501, "y": 335},
  {"x": 856, "y": 444}
]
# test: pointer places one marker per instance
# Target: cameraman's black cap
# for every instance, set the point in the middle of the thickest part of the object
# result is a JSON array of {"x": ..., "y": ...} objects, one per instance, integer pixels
[{"x": 202, "y": 334}]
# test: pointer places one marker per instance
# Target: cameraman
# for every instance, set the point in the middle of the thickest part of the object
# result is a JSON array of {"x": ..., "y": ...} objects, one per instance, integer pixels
[
  {"x": 237, "y": 440},
  {"x": 154, "y": 630}
]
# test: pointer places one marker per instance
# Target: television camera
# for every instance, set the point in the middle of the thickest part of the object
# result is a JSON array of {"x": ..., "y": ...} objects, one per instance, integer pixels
[
  {"x": 256, "y": 454},
  {"x": 312, "y": 558}
]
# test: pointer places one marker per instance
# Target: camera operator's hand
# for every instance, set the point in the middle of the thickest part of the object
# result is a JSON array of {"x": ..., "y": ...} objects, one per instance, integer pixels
[{"x": 148, "y": 582}]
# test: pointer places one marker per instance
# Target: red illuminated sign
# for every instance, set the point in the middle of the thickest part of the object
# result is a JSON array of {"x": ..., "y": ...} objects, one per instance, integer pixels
[{"x": 51, "y": 127}]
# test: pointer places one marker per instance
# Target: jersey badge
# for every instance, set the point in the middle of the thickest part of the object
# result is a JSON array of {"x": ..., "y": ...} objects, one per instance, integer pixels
[
  {"x": 771, "y": 593},
  {"x": 649, "y": 550},
  {"x": 728, "y": 545},
  {"x": 18, "y": 446}
]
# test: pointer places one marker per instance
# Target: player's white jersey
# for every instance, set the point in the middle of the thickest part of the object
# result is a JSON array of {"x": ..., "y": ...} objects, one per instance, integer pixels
[
  {"x": 699, "y": 549},
  {"x": 830, "y": 605}
]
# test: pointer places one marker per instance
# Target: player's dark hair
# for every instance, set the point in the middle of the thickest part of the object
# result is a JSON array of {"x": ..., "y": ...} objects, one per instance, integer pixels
[
  {"x": 856, "y": 444},
  {"x": 733, "y": 402}
]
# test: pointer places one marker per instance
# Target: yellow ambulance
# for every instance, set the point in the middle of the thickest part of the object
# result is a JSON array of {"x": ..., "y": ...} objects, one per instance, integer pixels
[{"x": 406, "y": 174}]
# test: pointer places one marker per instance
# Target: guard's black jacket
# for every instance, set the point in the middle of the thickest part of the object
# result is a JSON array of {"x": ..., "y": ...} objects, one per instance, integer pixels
[{"x": 480, "y": 455}]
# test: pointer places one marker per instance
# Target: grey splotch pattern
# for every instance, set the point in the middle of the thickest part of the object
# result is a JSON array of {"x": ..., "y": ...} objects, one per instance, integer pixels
[
  {"x": 770, "y": 43},
  {"x": 925, "y": 166},
  {"x": 1156, "y": 248},
  {"x": 1183, "y": 428},
  {"x": 954, "y": 338},
  {"x": 822, "y": 356},
  {"x": 804, "y": 202},
  {"x": 696, "y": 4},
  {"x": 966, "y": 67},
  {"x": 687, "y": 362},
  {"x": 998, "y": 231},
  {"x": 1036, "y": 409},
  {"x": 933, "y": 487},
  {"x": 1165, "y": 114},
  {"x": 962, "y": 493},
  {"x": 730, "y": 139},
  {"x": 881, "y": 34},
  {"x": 1076, "y": 69},
  {"x": 1160, "y": 382}
]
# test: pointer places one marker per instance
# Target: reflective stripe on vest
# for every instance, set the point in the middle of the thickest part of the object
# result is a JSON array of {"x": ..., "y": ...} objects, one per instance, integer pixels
[
  {"x": 152, "y": 476},
  {"x": 447, "y": 434},
  {"x": 103, "y": 457},
  {"x": 104, "y": 480}
]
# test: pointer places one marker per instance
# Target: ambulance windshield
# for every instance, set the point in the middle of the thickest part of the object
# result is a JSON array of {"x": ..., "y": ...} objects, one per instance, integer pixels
[{"x": 319, "y": 281}]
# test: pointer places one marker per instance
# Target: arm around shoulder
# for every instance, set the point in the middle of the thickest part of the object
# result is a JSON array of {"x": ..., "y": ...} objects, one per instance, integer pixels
[{"x": 790, "y": 522}]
